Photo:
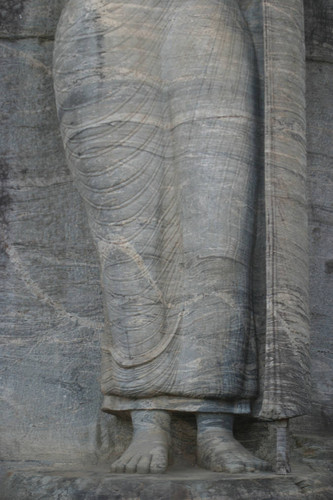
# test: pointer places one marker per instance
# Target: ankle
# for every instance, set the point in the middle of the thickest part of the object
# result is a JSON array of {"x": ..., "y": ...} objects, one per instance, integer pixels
[
  {"x": 151, "y": 420},
  {"x": 212, "y": 422}
]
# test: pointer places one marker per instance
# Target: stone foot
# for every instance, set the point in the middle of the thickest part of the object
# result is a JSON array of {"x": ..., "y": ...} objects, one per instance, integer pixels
[
  {"x": 219, "y": 451},
  {"x": 149, "y": 448}
]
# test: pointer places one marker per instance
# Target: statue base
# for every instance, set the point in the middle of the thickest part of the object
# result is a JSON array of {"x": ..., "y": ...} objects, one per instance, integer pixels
[{"x": 39, "y": 481}]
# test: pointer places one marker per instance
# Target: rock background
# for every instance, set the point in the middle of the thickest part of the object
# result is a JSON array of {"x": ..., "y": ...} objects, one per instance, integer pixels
[
  {"x": 51, "y": 310},
  {"x": 319, "y": 42}
]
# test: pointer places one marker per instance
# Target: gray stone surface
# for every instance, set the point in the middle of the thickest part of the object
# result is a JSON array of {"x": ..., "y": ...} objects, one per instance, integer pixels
[
  {"x": 319, "y": 37},
  {"x": 50, "y": 349},
  {"x": 319, "y": 31},
  {"x": 29, "y": 18},
  {"x": 160, "y": 120},
  {"x": 51, "y": 311},
  {"x": 320, "y": 154},
  {"x": 40, "y": 482}
]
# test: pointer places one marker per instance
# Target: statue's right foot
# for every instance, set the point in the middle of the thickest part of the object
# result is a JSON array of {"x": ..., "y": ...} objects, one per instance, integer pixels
[
  {"x": 219, "y": 451},
  {"x": 149, "y": 448}
]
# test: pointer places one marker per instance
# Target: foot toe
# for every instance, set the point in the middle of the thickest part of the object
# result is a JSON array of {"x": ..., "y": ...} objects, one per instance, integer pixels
[
  {"x": 131, "y": 465},
  {"x": 158, "y": 464},
  {"x": 143, "y": 466},
  {"x": 235, "y": 467},
  {"x": 118, "y": 466},
  {"x": 113, "y": 467}
]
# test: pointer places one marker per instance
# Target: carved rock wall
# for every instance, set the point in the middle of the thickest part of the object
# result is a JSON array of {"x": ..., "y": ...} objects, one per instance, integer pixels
[
  {"x": 319, "y": 41},
  {"x": 51, "y": 310}
]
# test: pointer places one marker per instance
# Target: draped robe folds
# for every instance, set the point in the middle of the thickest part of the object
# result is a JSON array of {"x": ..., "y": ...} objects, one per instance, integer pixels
[{"x": 160, "y": 110}]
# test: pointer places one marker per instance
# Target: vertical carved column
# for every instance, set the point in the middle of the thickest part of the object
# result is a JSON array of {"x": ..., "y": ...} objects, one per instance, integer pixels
[
  {"x": 285, "y": 388},
  {"x": 287, "y": 330}
]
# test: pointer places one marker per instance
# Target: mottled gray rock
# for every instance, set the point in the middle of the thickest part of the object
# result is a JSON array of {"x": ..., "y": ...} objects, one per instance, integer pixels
[
  {"x": 320, "y": 157},
  {"x": 50, "y": 302},
  {"x": 319, "y": 23},
  {"x": 29, "y": 18},
  {"x": 319, "y": 30},
  {"x": 42, "y": 482},
  {"x": 49, "y": 358}
]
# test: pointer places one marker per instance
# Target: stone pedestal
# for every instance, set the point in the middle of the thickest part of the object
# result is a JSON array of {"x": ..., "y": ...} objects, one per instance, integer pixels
[{"x": 39, "y": 481}]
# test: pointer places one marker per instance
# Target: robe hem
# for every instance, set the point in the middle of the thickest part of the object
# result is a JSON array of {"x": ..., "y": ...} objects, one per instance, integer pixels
[{"x": 115, "y": 404}]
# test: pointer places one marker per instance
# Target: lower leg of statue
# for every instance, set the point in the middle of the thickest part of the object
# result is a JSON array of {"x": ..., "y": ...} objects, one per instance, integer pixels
[
  {"x": 219, "y": 451},
  {"x": 149, "y": 448}
]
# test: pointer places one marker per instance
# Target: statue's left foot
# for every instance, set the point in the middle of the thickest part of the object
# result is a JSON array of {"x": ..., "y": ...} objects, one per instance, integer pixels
[{"x": 219, "y": 451}]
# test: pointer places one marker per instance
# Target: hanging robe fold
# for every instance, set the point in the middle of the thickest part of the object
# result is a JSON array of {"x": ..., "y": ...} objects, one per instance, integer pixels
[{"x": 284, "y": 381}]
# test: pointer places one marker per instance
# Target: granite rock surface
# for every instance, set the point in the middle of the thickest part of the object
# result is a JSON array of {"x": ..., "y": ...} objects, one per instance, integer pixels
[{"x": 51, "y": 309}]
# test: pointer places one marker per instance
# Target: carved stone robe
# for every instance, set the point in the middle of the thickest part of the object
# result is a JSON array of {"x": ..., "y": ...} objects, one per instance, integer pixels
[{"x": 161, "y": 111}]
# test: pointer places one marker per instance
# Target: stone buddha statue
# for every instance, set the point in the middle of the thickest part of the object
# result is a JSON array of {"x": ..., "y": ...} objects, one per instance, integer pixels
[{"x": 160, "y": 108}]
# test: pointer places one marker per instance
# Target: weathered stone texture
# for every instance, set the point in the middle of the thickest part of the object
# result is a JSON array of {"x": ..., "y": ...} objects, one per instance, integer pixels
[
  {"x": 51, "y": 308},
  {"x": 319, "y": 37},
  {"x": 29, "y": 18},
  {"x": 319, "y": 29},
  {"x": 96, "y": 484}
]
